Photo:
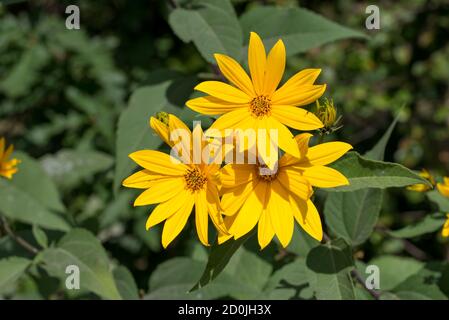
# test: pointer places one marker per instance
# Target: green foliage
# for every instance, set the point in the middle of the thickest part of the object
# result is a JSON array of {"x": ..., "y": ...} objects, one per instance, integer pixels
[
  {"x": 300, "y": 29},
  {"x": 79, "y": 102},
  {"x": 82, "y": 249}
]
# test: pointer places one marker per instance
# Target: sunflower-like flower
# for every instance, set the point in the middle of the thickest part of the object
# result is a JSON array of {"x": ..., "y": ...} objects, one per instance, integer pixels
[
  {"x": 254, "y": 194},
  {"x": 7, "y": 167},
  {"x": 177, "y": 186},
  {"x": 444, "y": 187},
  {"x": 257, "y": 102}
]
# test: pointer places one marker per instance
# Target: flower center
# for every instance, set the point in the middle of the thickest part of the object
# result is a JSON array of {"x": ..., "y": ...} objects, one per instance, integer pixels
[
  {"x": 195, "y": 179},
  {"x": 266, "y": 174},
  {"x": 260, "y": 106}
]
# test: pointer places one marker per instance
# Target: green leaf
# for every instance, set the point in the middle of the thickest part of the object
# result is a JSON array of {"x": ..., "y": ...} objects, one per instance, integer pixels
[
  {"x": 299, "y": 28},
  {"x": 329, "y": 267},
  {"x": 134, "y": 132},
  {"x": 420, "y": 286},
  {"x": 40, "y": 236},
  {"x": 82, "y": 249},
  {"x": 31, "y": 175},
  {"x": 301, "y": 242},
  {"x": 289, "y": 282},
  {"x": 125, "y": 283},
  {"x": 429, "y": 224},
  {"x": 353, "y": 215},
  {"x": 70, "y": 167},
  {"x": 243, "y": 278},
  {"x": 441, "y": 201},
  {"x": 31, "y": 197},
  {"x": 378, "y": 151},
  {"x": 218, "y": 259},
  {"x": 394, "y": 270},
  {"x": 172, "y": 279},
  {"x": 11, "y": 269},
  {"x": 363, "y": 173},
  {"x": 211, "y": 25}
]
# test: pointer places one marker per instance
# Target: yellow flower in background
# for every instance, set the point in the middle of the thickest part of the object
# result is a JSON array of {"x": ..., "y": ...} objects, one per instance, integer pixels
[
  {"x": 254, "y": 194},
  {"x": 444, "y": 187},
  {"x": 445, "y": 231},
  {"x": 257, "y": 102},
  {"x": 176, "y": 186},
  {"x": 420, "y": 187},
  {"x": 7, "y": 167}
]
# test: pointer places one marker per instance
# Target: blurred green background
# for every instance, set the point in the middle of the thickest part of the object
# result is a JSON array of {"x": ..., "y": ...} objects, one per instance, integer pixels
[{"x": 65, "y": 89}]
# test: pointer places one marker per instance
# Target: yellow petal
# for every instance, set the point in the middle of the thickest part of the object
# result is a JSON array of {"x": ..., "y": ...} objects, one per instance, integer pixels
[
  {"x": 141, "y": 179},
  {"x": 222, "y": 237},
  {"x": 201, "y": 217},
  {"x": 326, "y": 153},
  {"x": 280, "y": 213},
  {"x": 274, "y": 69},
  {"x": 296, "y": 118},
  {"x": 233, "y": 199},
  {"x": 214, "y": 208},
  {"x": 307, "y": 216},
  {"x": 159, "y": 162},
  {"x": 161, "y": 129},
  {"x": 166, "y": 209},
  {"x": 267, "y": 143},
  {"x": 174, "y": 225},
  {"x": 303, "y": 78},
  {"x": 160, "y": 192},
  {"x": 232, "y": 70},
  {"x": 303, "y": 145},
  {"x": 223, "y": 91},
  {"x": 293, "y": 180},
  {"x": 445, "y": 231},
  {"x": 8, "y": 152},
  {"x": 250, "y": 212},
  {"x": 181, "y": 138},
  {"x": 294, "y": 97},
  {"x": 257, "y": 62},
  {"x": 229, "y": 120},
  {"x": 233, "y": 175},
  {"x": 2, "y": 148},
  {"x": 212, "y": 106},
  {"x": 286, "y": 141},
  {"x": 265, "y": 231},
  {"x": 444, "y": 189},
  {"x": 324, "y": 177}
]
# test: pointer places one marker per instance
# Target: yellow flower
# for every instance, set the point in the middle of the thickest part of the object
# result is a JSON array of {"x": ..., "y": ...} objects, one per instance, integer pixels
[
  {"x": 445, "y": 231},
  {"x": 253, "y": 194},
  {"x": 257, "y": 102},
  {"x": 176, "y": 186},
  {"x": 7, "y": 167},
  {"x": 444, "y": 187},
  {"x": 420, "y": 187}
]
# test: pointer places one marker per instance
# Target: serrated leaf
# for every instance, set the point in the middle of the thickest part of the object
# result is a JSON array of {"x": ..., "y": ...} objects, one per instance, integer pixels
[
  {"x": 11, "y": 269},
  {"x": 328, "y": 269},
  {"x": 363, "y": 173},
  {"x": 353, "y": 215},
  {"x": 300, "y": 29},
  {"x": 211, "y": 25},
  {"x": 68, "y": 167},
  {"x": 430, "y": 223},
  {"x": 125, "y": 283},
  {"x": 82, "y": 249}
]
